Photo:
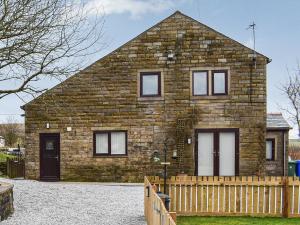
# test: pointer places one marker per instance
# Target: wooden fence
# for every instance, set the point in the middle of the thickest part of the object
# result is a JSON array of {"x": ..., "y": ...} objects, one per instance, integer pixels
[
  {"x": 229, "y": 196},
  {"x": 155, "y": 211},
  {"x": 15, "y": 167}
]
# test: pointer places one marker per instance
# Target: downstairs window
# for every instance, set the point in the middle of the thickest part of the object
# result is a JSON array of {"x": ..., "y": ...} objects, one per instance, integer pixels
[{"x": 110, "y": 143}]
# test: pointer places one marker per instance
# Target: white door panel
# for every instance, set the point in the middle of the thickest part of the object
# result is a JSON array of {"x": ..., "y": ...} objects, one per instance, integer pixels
[
  {"x": 227, "y": 154},
  {"x": 205, "y": 154}
]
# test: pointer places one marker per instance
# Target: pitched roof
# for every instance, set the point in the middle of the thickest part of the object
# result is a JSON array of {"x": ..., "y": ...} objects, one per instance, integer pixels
[{"x": 277, "y": 121}]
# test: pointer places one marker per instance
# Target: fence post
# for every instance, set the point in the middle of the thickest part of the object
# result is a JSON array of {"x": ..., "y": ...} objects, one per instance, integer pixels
[
  {"x": 8, "y": 167},
  {"x": 173, "y": 215},
  {"x": 286, "y": 198}
]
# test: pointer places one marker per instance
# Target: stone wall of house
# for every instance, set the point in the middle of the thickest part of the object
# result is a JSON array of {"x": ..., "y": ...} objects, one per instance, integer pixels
[
  {"x": 105, "y": 96},
  {"x": 277, "y": 167}
]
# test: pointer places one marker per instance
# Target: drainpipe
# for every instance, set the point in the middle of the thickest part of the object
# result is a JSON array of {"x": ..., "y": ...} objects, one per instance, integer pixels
[{"x": 284, "y": 153}]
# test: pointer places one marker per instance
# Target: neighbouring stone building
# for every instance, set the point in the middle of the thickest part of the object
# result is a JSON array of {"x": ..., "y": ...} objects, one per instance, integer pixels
[
  {"x": 277, "y": 142},
  {"x": 179, "y": 85}
]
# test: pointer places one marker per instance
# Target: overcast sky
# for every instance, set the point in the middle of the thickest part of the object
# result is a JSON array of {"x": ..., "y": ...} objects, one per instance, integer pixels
[{"x": 277, "y": 33}]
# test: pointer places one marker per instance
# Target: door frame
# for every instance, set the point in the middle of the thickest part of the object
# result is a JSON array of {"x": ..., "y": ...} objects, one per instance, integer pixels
[
  {"x": 43, "y": 136},
  {"x": 216, "y": 132}
]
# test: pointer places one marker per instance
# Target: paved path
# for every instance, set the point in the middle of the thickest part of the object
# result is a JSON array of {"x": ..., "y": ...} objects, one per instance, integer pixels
[{"x": 43, "y": 203}]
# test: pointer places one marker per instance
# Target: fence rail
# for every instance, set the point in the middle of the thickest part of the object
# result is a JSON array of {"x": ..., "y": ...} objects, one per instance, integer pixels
[
  {"x": 15, "y": 167},
  {"x": 251, "y": 196},
  {"x": 155, "y": 211}
]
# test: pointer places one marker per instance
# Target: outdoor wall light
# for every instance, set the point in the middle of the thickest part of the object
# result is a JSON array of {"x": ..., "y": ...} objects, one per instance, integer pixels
[
  {"x": 180, "y": 36},
  {"x": 189, "y": 141},
  {"x": 156, "y": 157},
  {"x": 174, "y": 155},
  {"x": 171, "y": 55},
  {"x": 47, "y": 125}
]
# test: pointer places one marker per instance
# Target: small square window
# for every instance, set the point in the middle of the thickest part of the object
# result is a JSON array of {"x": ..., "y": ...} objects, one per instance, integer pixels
[
  {"x": 270, "y": 149},
  {"x": 150, "y": 84},
  {"x": 110, "y": 143},
  {"x": 200, "y": 83},
  {"x": 219, "y": 82}
]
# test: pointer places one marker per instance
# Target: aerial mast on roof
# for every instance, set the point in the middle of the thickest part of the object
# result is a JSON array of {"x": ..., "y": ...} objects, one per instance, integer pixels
[{"x": 252, "y": 26}]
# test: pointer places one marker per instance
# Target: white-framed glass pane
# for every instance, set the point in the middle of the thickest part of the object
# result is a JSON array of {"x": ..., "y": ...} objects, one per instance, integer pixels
[
  {"x": 219, "y": 83},
  {"x": 102, "y": 143},
  {"x": 200, "y": 83},
  {"x": 150, "y": 85},
  {"x": 269, "y": 150},
  {"x": 227, "y": 154},
  {"x": 118, "y": 143},
  {"x": 205, "y": 154}
]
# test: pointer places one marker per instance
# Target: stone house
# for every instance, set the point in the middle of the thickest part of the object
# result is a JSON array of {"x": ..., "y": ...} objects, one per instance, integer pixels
[{"x": 179, "y": 85}]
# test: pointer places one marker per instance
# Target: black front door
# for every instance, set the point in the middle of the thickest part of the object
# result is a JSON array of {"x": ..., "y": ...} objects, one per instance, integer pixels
[{"x": 49, "y": 157}]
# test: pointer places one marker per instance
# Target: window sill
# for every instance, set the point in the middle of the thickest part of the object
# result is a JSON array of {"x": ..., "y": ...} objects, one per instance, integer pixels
[
  {"x": 160, "y": 98},
  {"x": 210, "y": 97},
  {"x": 110, "y": 156}
]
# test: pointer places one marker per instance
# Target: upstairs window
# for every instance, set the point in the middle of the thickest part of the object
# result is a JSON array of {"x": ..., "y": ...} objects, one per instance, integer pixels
[
  {"x": 210, "y": 82},
  {"x": 200, "y": 83},
  {"x": 270, "y": 149},
  {"x": 110, "y": 143},
  {"x": 219, "y": 82},
  {"x": 150, "y": 84}
]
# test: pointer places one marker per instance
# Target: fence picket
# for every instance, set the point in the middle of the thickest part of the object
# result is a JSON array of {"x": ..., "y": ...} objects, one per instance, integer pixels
[
  {"x": 196, "y": 197},
  {"x": 201, "y": 198},
  {"x": 298, "y": 199}
]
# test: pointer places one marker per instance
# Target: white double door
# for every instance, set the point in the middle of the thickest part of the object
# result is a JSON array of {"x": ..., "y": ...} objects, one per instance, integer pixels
[{"x": 217, "y": 152}]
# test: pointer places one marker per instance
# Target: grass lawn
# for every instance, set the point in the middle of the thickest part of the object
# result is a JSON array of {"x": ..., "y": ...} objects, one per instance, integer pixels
[
  {"x": 3, "y": 157},
  {"x": 197, "y": 220}
]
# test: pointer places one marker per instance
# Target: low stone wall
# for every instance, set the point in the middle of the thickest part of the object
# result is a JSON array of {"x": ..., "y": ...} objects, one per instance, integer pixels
[{"x": 6, "y": 200}]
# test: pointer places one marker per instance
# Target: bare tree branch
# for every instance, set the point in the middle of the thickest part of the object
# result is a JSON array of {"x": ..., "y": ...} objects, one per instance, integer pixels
[
  {"x": 44, "y": 38},
  {"x": 292, "y": 91}
]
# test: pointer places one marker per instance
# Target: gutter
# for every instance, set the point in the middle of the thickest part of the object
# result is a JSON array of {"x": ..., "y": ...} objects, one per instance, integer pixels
[{"x": 284, "y": 152}]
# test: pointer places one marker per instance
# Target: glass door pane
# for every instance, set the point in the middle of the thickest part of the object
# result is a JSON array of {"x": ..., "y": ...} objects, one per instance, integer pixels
[
  {"x": 227, "y": 154},
  {"x": 205, "y": 154}
]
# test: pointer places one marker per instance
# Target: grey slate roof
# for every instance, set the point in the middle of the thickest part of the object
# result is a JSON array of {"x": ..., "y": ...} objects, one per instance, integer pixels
[{"x": 276, "y": 121}]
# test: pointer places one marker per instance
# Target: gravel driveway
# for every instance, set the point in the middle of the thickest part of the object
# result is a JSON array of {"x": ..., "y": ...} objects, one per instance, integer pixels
[{"x": 43, "y": 203}]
